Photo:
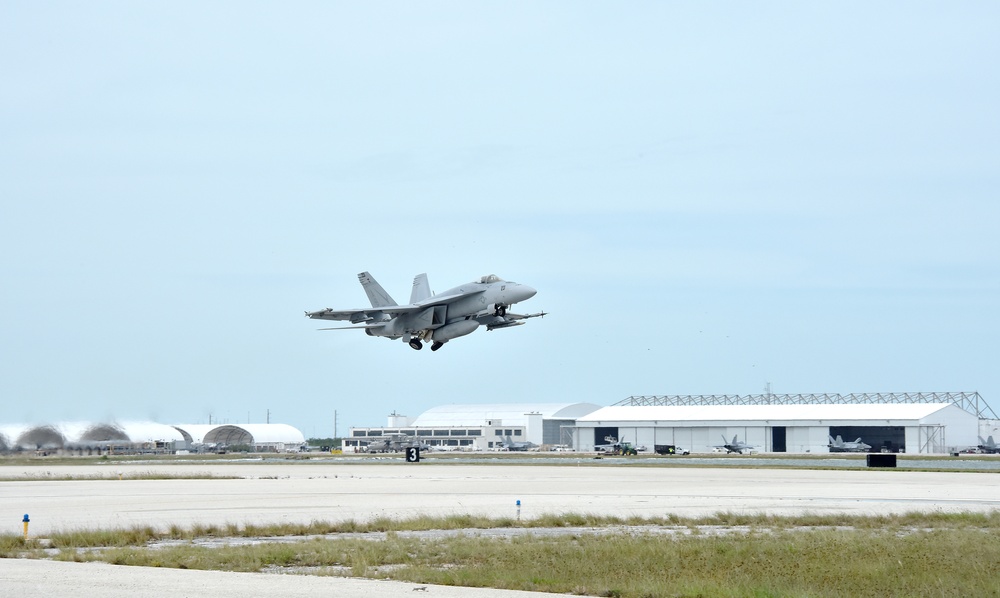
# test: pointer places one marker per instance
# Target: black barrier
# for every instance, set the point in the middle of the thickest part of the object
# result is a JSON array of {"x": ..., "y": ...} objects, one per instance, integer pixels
[
  {"x": 881, "y": 460},
  {"x": 413, "y": 454}
]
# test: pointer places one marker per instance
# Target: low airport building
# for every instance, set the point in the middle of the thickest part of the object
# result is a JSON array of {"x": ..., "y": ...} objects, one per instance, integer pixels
[{"x": 495, "y": 426}]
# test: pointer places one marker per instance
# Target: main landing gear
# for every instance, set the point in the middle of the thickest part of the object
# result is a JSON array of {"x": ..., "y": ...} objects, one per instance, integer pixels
[
  {"x": 417, "y": 345},
  {"x": 436, "y": 345},
  {"x": 500, "y": 311}
]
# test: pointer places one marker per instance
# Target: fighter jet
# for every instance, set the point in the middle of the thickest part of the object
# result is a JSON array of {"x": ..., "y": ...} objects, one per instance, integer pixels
[
  {"x": 435, "y": 318},
  {"x": 735, "y": 446},
  {"x": 395, "y": 443},
  {"x": 839, "y": 446},
  {"x": 509, "y": 444},
  {"x": 988, "y": 446}
]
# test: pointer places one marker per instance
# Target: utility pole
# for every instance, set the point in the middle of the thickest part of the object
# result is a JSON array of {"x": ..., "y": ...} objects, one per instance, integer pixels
[
  {"x": 268, "y": 416},
  {"x": 334, "y": 424}
]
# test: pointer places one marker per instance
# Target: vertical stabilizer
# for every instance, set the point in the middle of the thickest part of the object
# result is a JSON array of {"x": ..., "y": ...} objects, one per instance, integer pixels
[
  {"x": 376, "y": 294},
  {"x": 421, "y": 289}
]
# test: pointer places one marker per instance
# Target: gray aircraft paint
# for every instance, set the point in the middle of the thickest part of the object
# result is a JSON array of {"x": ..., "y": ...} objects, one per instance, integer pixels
[{"x": 435, "y": 317}]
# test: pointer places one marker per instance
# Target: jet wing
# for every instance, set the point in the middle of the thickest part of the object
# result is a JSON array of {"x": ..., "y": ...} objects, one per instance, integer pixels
[
  {"x": 375, "y": 313},
  {"x": 360, "y": 315},
  {"x": 442, "y": 299}
]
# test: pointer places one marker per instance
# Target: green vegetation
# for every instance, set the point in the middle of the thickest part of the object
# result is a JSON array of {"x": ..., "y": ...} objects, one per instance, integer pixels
[
  {"x": 723, "y": 555},
  {"x": 334, "y": 443}
]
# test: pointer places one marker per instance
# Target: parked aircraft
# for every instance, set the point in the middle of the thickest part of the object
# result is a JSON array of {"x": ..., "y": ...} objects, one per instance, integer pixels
[
  {"x": 395, "y": 443},
  {"x": 435, "y": 318},
  {"x": 988, "y": 446},
  {"x": 839, "y": 446},
  {"x": 735, "y": 446},
  {"x": 509, "y": 444}
]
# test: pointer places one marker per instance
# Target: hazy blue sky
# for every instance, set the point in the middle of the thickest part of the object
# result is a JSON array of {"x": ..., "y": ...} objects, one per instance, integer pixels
[{"x": 708, "y": 196}]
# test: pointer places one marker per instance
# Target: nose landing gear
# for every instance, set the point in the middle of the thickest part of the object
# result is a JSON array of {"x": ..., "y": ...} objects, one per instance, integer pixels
[{"x": 416, "y": 344}]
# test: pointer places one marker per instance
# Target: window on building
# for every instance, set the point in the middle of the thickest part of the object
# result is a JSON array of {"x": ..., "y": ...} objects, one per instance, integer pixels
[
  {"x": 475, "y": 432},
  {"x": 458, "y": 432},
  {"x": 357, "y": 433},
  {"x": 440, "y": 432},
  {"x": 498, "y": 432},
  {"x": 517, "y": 432},
  {"x": 424, "y": 433}
]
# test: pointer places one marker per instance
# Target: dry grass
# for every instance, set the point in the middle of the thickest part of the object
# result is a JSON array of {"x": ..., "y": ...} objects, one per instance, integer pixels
[{"x": 833, "y": 555}]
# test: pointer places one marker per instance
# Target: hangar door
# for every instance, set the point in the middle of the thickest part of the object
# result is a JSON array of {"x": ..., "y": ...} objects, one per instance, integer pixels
[
  {"x": 778, "y": 442},
  {"x": 890, "y": 438},
  {"x": 601, "y": 433}
]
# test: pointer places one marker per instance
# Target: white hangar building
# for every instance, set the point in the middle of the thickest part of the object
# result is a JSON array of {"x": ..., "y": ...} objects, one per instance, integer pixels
[{"x": 917, "y": 428}]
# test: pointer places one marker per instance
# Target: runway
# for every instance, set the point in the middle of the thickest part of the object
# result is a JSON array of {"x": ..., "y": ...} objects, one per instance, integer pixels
[
  {"x": 304, "y": 491},
  {"x": 301, "y": 492}
]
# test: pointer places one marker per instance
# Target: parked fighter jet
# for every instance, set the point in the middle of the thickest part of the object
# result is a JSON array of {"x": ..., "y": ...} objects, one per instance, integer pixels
[
  {"x": 839, "y": 446},
  {"x": 435, "y": 318},
  {"x": 735, "y": 446},
  {"x": 988, "y": 446},
  {"x": 395, "y": 443},
  {"x": 509, "y": 444}
]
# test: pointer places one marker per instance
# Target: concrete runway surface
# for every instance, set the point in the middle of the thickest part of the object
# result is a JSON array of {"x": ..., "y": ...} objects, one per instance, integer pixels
[{"x": 306, "y": 491}]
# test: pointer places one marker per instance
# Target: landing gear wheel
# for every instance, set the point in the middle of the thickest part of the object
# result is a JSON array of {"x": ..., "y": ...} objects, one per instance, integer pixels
[
  {"x": 500, "y": 311},
  {"x": 436, "y": 345},
  {"x": 416, "y": 344}
]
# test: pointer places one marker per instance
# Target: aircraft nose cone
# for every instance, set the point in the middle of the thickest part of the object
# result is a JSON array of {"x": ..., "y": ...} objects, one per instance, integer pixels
[{"x": 525, "y": 292}]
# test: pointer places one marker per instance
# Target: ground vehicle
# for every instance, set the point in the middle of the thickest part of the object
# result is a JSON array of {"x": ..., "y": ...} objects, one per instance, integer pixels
[
  {"x": 625, "y": 448},
  {"x": 669, "y": 449}
]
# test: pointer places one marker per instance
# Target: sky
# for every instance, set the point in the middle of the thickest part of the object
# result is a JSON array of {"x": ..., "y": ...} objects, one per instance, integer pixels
[{"x": 709, "y": 197}]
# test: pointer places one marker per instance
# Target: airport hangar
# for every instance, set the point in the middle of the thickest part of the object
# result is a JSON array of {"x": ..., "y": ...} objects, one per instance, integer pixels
[
  {"x": 146, "y": 437},
  {"x": 917, "y": 423}
]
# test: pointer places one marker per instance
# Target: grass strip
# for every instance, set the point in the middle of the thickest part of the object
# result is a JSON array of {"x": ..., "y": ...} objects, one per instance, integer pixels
[
  {"x": 820, "y": 563},
  {"x": 815, "y": 555}
]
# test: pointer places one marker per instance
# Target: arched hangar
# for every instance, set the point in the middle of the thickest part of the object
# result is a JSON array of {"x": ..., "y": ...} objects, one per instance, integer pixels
[
  {"x": 260, "y": 437},
  {"x": 924, "y": 428}
]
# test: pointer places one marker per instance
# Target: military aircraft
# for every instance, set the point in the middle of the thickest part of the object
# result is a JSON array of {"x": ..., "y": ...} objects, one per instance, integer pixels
[
  {"x": 395, "y": 443},
  {"x": 839, "y": 446},
  {"x": 988, "y": 446},
  {"x": 509, "y": 444},
  {"x": 435, "y": 318},
  {"x": 735, "y": 446}
]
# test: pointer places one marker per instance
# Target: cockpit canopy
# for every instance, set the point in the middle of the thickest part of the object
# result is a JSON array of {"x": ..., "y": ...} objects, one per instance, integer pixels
[{"x": 491, "y": 278}]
